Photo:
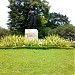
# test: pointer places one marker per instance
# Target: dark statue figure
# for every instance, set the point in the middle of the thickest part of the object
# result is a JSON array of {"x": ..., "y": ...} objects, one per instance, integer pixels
[{"x": 32, "y": 17}]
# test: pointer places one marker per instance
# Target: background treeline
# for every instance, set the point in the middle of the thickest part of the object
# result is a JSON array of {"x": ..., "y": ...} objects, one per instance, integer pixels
[
  {"x": 4, "y": 32},
  {"x": 65, "y": 31}
]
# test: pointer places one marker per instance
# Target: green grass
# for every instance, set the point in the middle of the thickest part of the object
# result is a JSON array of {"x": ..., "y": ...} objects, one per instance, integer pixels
[{"x": 37, "y": 62}]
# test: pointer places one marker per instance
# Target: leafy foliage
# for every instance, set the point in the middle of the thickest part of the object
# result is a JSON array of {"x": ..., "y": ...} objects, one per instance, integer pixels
[
  {"x": 4, "y": 32},
  {"x": 57, "y": 19},
  {"x": 20, "y": 41},
  {"x": 65, "y": 31},
  {"x": 18, "y": 15}
]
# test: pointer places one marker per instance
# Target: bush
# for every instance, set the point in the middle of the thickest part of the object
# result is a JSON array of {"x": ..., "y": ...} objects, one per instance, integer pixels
[
  {"x": 4, "y": 32},
  {"x": 21, "y": 41},
  {"x": 65, "y": 31},
  {"x": 57, "y": 41}
]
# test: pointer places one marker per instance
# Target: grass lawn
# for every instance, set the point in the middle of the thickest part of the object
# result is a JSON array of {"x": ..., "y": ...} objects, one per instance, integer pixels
[{"x": 36, "y": 62}]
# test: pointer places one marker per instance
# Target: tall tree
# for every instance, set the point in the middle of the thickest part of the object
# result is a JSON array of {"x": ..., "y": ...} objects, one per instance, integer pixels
[
  {"x": 18, "y": 14},
  {"x": 57, "y": 19}
]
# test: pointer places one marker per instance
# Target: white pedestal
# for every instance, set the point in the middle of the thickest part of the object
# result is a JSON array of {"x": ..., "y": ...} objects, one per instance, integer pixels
[{"x": 31, "y": 33}]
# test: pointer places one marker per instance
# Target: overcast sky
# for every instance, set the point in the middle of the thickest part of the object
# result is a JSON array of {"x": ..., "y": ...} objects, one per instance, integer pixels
[{"x": 65, "y": 7}]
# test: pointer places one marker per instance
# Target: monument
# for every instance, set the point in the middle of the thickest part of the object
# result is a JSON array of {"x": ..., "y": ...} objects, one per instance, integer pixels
[{"x": 31, "y": 33}]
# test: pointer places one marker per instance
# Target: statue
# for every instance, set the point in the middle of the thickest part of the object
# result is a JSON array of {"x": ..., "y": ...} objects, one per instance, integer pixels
[{"x": 32, "y": 17}]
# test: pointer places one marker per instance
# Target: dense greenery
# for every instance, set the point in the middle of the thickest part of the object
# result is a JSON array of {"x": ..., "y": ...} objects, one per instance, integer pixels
[
  {"x": 65, "y": 31},
  {"x": 18, "y": 14},
  {"x": 57, "y": 19},
  {"x": 20, "y": 41},
  {"x": 4, "y": 32},
  {"x": 37, "y": 62}
]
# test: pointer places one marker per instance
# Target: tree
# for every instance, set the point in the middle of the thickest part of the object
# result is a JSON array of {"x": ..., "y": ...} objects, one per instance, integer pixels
[
  {"x": 66, "y": 31},
  {"x": 57, "y": 19},
  {"x": 4, "y": 32},
  {"x": 18, "y": 14}
]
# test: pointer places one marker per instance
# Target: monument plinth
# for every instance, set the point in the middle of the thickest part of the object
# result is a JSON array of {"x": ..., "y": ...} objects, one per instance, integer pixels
[{"x": 31, "y": 33}]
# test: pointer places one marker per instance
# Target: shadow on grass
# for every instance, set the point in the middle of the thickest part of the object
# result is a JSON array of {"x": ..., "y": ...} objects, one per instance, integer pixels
[{"x": 39, "y": 47}]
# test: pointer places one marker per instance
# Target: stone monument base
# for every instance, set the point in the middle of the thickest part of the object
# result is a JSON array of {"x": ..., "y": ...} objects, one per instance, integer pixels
[{"x": 31, "y": 33}]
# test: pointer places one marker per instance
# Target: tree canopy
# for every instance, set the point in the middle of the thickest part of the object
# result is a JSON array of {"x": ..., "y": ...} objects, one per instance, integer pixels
[
  {"x": 18, "y": 14},
  {"x": 57, "y": 19}
]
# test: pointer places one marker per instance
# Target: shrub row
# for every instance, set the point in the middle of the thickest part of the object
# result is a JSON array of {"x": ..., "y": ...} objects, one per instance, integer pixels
[{"x": 20, "y": 41}]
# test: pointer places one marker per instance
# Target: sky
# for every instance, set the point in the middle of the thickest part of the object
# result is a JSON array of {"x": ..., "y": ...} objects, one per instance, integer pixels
[{"x": 65, "y": 7}]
